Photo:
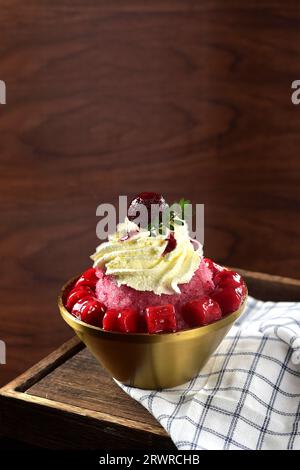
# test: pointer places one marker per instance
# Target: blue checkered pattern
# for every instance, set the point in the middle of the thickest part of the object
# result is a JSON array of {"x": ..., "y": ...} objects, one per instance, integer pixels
[{"x": 248, "y": 394}]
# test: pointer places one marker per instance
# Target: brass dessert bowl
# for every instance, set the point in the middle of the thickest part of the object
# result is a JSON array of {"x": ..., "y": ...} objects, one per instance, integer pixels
[{"x": 150, "y": 361}]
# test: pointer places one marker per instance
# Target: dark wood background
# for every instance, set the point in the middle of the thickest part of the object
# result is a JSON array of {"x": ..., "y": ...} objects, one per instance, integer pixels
[{"x": 105, "y": 98}]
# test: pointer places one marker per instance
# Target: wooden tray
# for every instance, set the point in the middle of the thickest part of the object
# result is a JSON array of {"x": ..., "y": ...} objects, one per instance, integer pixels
[{"x": 67, "y": 401}]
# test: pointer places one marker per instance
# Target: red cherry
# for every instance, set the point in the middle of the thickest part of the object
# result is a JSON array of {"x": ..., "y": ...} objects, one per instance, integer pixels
[
  {"x": 88, "y": 278},
  {"x": 110, "y": 320},
  {"x": 89, "y": 310},
  {"x": 128, "y": 320},
  {"x": 201, "y": 311},
  {"x": 93, "y": 312},
  {"x": 76, "y": 310},
  {"x": 171, "y": 245},
  {"x": 242, "y": 291},
  {"x": 147, "y": 199},
  {"x": 142, "y": 323},
  {"x": 77, "y": 293},
  {"x": 227, "y": 278},
  {"x": 161, "y": 319},
  {"x": 209, "y": 263},
  {"x": 229, "y": 298},
  {"x": 214, "y": 267}
]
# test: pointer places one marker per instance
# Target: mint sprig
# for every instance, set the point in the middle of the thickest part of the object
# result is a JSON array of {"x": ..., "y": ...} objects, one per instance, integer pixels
[
  {"x": 174, "y": 218},
  {"x": 182, "y": 203}
]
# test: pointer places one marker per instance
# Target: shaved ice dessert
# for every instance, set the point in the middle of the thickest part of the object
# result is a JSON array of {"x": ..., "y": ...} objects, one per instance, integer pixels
[{"x": 153, "y": 281}]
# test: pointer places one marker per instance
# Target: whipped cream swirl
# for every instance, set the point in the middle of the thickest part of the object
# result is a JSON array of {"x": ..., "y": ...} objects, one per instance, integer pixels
[{"x": 142, "y": 262}]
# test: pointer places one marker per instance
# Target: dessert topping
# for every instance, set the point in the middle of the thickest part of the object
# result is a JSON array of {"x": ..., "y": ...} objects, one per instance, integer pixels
[
  {"x": 126, "y": 320},
  {"x": 229, "y": 298},
  {"x": 152, "y": 202},
  {"x": 88, "y": 278},
  {"x": 201, "y": 311},
  {"x": 171, "y": 245},
  {"x": 149, "y": 263},
  {"x": 77, "y": 293},
  {"x": 161, "y": 319}
]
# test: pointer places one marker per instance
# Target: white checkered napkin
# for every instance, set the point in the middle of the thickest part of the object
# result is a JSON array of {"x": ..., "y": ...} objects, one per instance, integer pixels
[{"x": 248, "y": 394}]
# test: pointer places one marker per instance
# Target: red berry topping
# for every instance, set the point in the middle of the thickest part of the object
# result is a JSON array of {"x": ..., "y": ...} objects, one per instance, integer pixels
[
  {"x": 242, "y": 291},
  {"x": 128, "y": 320},
  {"x": 227, "y": 278},
  {"x": 88, "y": 278},
  {"x": 214, "y": 267},
  {"x": 230, "y": 290},
  {"x": 93, "y": 313},
  {"x": 161, "y": 319},
  {"x": 77, "y": 293},
  {"x": 143, "y": 324},
  {"x": 89, "y": 310},
  {"x": 147, "y": 199},
  {"x": 229, "y": 298},
  {"x": 171, "y": 245},
  {"x": 201, "y": 311},
  {"x": 110, "y": 320},
  {"x": 76, "y": 310}
]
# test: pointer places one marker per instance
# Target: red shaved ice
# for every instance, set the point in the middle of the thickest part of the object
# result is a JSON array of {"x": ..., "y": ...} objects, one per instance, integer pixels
[{"x": 115, "y": 297}]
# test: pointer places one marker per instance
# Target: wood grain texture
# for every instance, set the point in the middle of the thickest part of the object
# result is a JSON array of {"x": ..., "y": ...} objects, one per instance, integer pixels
[
  {"x": 70, "y": 395},
  {"x": 72, "y": 430},
  {"x": 106, "y": 98},
  {"x": 44, "y": 367},
  {"x": 81, "y": 382}
]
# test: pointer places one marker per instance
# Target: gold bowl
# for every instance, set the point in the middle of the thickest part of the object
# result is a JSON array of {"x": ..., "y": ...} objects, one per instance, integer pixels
[{"x": 150, "y": 361}]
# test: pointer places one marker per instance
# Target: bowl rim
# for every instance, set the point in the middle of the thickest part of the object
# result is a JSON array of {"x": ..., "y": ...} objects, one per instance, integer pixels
[{"x": 81, "y": 326}]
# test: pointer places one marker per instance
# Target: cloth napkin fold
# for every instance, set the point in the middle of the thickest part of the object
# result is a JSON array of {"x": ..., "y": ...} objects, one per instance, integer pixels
[{"x": 248, "y": 394}]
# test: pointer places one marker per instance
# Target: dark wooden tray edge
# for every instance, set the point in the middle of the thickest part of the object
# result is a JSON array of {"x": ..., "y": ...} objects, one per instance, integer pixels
[{"x": 25, "y": 417}]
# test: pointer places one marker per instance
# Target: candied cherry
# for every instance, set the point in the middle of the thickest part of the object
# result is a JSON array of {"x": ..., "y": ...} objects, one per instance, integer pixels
[
  {"x": 77, "y": 293},
  {"x": 201, "y": 311},
  {"x": 110, "y": 320},
  {"x": 242, "y": 291},
  {"x": 88, "y": 278},
  {"x": 227, "y": 278},
  {"x": 214, "y": 267},
  {"x": 161, "y": 319},
  {"x": 229, "y": 298},
  {"x": 171, "y": 245},
  {"x": 230, "y": 290},
  {"x": 89, "y": 310},
  {"x": 76, "y": 309},
  {"x": 147, "y": 199},
  {"x": 93, "y": 312},
  {"x": 142, "y": 323},
  {"x": 126, "y": 320}
]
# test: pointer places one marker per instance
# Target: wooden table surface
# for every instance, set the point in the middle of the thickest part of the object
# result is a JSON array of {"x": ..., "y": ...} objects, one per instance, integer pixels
[{"x": 105, "y": 98}]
